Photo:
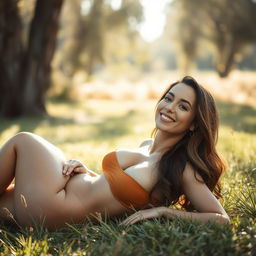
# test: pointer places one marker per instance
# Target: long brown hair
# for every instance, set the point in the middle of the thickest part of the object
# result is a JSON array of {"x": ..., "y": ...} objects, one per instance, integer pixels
[{"x": 197, "y": 147}]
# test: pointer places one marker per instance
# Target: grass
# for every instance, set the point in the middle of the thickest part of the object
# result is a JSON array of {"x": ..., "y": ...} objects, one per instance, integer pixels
[{"x": 88, "y": 130}]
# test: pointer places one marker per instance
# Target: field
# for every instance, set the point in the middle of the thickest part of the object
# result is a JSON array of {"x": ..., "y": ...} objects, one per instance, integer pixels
[{"x": 105, "y": 118}]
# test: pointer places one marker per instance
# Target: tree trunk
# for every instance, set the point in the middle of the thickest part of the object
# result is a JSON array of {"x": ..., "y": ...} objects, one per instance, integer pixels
[
  {"x": 224, "y": 69},
  {"x": 226, "y": 58},
  {"x": 95, "y": 35},
  {"x": 11, "y": 54},
  {"x": 37, "y": 60}
]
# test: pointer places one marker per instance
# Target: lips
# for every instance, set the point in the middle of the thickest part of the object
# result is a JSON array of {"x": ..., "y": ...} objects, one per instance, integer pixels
[{"x": 166, "y": 118}]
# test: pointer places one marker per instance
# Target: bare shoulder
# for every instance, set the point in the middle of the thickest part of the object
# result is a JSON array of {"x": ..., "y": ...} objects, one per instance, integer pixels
[
  {"x": 147, "y": 142},
  {"x": 190, "y": 175}
]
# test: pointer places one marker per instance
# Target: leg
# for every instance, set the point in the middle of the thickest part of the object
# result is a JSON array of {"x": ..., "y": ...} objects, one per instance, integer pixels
[
  {"x": 7, "y": 165},
  {"x": 7, "y": 171},
  {"x": 7, "y": 204},
  {"x": 39, "y": 181}
]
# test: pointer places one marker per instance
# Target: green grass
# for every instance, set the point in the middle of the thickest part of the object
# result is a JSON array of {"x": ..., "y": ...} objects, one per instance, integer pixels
[{"x": 89, "y": 130}]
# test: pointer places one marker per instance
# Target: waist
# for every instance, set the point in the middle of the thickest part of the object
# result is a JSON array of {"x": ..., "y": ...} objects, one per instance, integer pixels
[{"x": 103, "y": 200}]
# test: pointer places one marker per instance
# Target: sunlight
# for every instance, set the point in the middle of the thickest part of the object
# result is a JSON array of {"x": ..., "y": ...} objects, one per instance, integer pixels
[
  {"x": 116, "y": 4},
  {"x": 85, "y": 7},
  {"x": 154, "y": 15}
]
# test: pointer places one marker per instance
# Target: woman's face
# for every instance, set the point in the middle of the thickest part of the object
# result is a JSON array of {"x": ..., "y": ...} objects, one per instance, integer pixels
[{"x": 176, "y": 111}]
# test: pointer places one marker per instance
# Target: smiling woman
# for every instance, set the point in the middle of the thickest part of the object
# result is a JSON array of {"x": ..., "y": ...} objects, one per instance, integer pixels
[
  {"x": 178, "y": 108},
  {"x": 187, "y": 111},
  {"x": 180, "y": 165}
]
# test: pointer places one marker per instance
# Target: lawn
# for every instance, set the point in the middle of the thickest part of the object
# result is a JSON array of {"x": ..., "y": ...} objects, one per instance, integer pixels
[{"x": 88, "y": 130}]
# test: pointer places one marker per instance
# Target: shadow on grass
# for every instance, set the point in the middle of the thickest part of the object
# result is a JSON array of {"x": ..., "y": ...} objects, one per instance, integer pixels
[
  {"x": 107, "y": 128},
  {"x": 29, "y": 124},
  {"x": 112, "y": 127},
  {"x": 238, "y": 117}
]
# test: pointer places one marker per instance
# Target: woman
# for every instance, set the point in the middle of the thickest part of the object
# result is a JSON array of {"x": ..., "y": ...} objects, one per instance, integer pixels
[{"x": 180, "y": 165}]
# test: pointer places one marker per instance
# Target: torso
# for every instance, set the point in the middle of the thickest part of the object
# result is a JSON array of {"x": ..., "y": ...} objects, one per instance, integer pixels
[
  {"x": 140, "y": 165},
  {"x": 84, "y": 196},
  {"x": 94, "y": 193}
]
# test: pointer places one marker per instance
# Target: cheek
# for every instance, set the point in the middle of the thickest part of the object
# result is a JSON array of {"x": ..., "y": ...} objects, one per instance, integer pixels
[
  {"x": 158, "y": 108},
  {"x": 187, "y": 118}
]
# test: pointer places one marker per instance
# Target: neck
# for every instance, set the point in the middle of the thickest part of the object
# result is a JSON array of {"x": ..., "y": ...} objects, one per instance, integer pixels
[{"x": 164, "y": 141}]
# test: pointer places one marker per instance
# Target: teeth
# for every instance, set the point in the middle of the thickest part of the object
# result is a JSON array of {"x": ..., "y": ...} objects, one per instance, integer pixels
[{"x": 166, "y": 117}]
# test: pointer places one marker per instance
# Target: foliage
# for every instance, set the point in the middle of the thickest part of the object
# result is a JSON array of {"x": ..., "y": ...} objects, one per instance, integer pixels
[
  {"x": 86, "y": 28},
  {"x": 78, "y": 127},
  {"x": 27, "y": 46},
  {"x": 227, "y": 24}
]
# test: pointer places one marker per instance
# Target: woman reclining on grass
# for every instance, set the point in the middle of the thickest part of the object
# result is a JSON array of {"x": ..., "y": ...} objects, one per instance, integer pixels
[{"x": 179, "y": 166}]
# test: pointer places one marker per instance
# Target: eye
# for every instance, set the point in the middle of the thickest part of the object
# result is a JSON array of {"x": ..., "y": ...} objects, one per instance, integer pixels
[
  {"x": 183, "y": 107},
  {"x": 167, "y": 98}
]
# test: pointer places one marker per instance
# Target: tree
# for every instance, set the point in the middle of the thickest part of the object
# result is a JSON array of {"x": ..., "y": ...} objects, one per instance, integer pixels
[
  {"x": 84, "y": 46},
  {"x": 11, "y": 50},
  {"x": 228, "y": 24},
  {"x": 36, "y": 65},
  {"x": 187, "y": 33},
  {"x": 25, "y": 69}
]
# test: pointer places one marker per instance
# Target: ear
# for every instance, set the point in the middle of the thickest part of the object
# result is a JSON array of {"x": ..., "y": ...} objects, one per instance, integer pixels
[{"x": 192, "y": 127}]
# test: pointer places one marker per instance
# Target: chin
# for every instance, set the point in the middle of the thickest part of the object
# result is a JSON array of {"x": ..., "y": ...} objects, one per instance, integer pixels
[{"x": 172, "y": 132}]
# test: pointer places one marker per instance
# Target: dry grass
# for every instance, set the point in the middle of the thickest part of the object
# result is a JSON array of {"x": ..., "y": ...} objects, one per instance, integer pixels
[{"x": 239, "y": 87}]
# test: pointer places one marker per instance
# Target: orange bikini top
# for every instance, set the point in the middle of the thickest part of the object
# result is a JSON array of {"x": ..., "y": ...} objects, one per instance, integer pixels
[{"x": 124, "y": 188}]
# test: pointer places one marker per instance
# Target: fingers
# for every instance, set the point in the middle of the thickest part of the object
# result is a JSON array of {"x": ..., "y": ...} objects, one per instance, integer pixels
[
  {"x": 143, "y": 215},
  {"x": 138, "y": 216},
  {"x": 79, "y": 170},
  {"x": 71, "y": 166}
]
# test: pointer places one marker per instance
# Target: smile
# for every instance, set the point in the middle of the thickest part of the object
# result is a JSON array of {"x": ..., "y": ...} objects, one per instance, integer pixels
[{"x": 166, "y": 118}]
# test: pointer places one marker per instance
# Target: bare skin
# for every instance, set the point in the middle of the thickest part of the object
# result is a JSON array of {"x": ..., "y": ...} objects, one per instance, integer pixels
[
  {"x": 50, "y": 191},
  {"x": 43, "y": 194},
  {"x": 174, "y": 116}
]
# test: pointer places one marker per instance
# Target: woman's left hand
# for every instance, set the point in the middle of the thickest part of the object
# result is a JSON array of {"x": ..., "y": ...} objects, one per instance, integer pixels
[
  {"x": 143, "y": 215},
  {"x": 73, "y": 166}
]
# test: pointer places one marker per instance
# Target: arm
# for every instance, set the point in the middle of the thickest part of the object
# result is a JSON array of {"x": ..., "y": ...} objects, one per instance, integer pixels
[
  {"x": 198, "y": 216},
  {"x": 204, "y": 201},
  {"x": 206, "y": 204}
]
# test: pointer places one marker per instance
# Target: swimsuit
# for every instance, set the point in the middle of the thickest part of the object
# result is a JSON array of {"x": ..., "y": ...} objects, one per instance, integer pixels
[{"x": 123, "y": 187}]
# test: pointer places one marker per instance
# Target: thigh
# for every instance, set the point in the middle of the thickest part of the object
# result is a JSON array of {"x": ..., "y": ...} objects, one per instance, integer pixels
[
  {"x": 7, "y": 204},
  {"x": 39, "y": 164},
  {"x": 39, "y": 181}
]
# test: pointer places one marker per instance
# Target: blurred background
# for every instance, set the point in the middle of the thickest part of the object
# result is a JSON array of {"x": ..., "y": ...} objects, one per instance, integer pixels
[
  {"x": 122, "y": 49},
  {"x": 86, "y": 75}
]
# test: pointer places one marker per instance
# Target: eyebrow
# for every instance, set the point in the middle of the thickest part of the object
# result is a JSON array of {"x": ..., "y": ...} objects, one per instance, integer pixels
[{"x": 186, "y": 101}]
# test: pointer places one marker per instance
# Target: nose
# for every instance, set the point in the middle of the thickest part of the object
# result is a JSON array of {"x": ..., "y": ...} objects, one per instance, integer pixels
[{"x": 171, "y": 107}]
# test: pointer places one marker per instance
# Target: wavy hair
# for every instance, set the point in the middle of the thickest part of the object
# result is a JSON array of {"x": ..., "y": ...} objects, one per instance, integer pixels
[{"x": 197, "y": 148}]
